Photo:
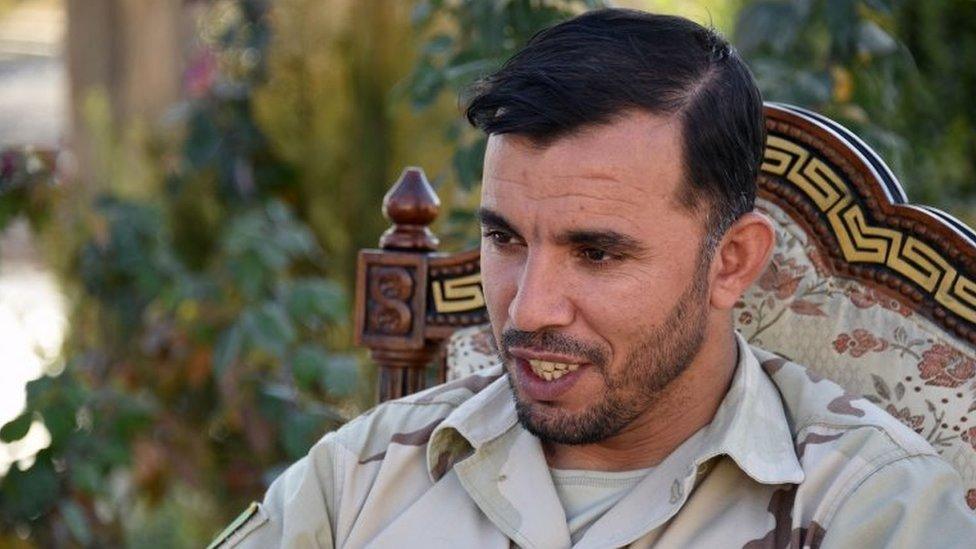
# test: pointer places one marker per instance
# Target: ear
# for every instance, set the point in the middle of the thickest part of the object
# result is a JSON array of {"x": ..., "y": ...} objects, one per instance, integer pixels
[{"x": 740, "y": 258}]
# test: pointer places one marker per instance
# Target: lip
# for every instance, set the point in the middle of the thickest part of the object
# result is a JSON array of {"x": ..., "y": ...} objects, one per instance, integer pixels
[
  {"x": 539, "y": 389},
  {"x": 529, "y": 354}
]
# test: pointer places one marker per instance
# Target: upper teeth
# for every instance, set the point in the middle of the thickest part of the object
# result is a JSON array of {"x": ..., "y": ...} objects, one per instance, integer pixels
[{"x": 551, "y": 370}]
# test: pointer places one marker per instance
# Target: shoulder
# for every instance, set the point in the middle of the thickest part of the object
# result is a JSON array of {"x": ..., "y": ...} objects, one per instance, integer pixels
[
  {"x": 247, "y": 522},
  {"x": 860, "y": 463},
  {"x": 409, "y": 420},
  {"x": 318, "y": 497},
  {"x": 913, "y": 501},
  {"x": 817, "y": 407}
]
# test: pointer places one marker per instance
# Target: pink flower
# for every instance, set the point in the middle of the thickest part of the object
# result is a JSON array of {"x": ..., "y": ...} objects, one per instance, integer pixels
[
  {"x": 906, "y": 417},
  {"x": 944, "y": 366},
  {"x": 865, "y": 298},
  {"x": 201, "y": 73},
  {"x": 483, "y": 341},
  {"x": 970, "y": 437},
  {"x": 782, "y": 277},
  {"x": 820, "y": 263},
  {"x": 8, "y": 163},
  {"x": 859, "y": 342}
]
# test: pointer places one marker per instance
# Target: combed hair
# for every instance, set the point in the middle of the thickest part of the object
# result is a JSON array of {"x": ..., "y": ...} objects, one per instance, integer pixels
[{"x": 594, "y": 68}]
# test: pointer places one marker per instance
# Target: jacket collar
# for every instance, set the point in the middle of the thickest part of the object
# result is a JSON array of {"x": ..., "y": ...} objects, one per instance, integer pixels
[{"x": 750, "y": 426}]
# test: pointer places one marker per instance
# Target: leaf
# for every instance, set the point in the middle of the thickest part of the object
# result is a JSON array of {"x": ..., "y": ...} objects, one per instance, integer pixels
[
  {"x": 296, "y": 240},
  {"x": 270, "y": 329},
  {"x": 804, "y": 307},
  {"x": 438, "y": 44},
  {"x": 299, "y": 433},
  {"x": 28, "y": 494},
  {"x": 250, "y": 275},
  {"x": 465, "y": 73},
  {"x": 840, "y": 16},
  {"x": 421, "y": 13},
  {"x": 769, "y": 23},
  {"x": 85, "y": 477},
  {"x": 881, "y": 387},
  {"x": 899, "y": 390},
  {"x": 426, "y": 83},
  {"x": 60, "y": 419},
  {"x": 309, "y": 365},
  {"x": 273, "y": 257},
  {"x": 342, "y": 375},
  {"x": 873, "y": 40},
  {"x": 228, "y": 348},
  {"x": 873, "y": 399},
  {"x": 280, "y": 391},
  {"x": 313, "y": 301},
  {"x": 468, "y": 163},
  {"x": 930, "y": 406},
  {"x": 74, "y": 517},
  {"x": 972, "y": 407},
  {"x": 17, "y": 428}
]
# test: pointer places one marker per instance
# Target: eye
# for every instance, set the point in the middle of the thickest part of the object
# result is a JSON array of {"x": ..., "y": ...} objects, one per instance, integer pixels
[
  {"x": 598, "y": 257},
  {"x": 594, "y": 255},
  {"x": 497, "y": 237}
]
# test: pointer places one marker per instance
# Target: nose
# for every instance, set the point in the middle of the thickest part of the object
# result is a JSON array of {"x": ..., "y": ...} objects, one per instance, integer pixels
[{"x": 541, "y": 300}]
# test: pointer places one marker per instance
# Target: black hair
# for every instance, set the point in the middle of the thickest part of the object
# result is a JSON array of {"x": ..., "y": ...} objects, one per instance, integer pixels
[{"x": 594, "y": 68}]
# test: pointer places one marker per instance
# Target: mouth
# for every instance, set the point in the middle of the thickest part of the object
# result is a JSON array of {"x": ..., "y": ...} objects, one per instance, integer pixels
[
  {"x": 546, "y": 380},
  {"x": 550, "y": 370}
]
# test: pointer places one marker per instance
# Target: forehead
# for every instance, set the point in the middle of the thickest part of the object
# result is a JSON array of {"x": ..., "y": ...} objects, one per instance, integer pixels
[{"x": 626, "y": 174}]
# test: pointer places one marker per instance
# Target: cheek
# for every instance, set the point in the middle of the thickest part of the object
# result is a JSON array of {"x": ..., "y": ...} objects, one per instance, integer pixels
[
  {"x": 622, "y": 311},
  {"x": 499, "y": 280},
  {"x": 610, "y": 314}
]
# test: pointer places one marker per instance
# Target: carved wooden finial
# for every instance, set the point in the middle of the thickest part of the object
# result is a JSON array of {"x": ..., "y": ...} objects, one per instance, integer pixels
[{"x": 411, "y": 205}]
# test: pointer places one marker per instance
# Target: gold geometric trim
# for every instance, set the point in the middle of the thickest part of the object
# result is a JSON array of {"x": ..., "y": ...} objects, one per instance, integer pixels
[
  {"x": 958, "y": 294},
  {"x": 861, "y": 242},
  {"x": 457, "y": 295},
  {"x": 816, "y": 179},
  {"x": 921, "y": 264}
]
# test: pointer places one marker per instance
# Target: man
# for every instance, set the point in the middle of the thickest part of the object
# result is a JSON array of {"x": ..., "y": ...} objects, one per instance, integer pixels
[{"x": 618, "y": 233}]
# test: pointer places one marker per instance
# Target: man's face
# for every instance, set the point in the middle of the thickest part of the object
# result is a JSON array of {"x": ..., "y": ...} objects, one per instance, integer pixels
[{"x": 593, "y": 276}]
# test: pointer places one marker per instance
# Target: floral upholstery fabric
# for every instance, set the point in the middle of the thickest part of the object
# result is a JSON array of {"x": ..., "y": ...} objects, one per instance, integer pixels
[{"x": 858, "y": 336}]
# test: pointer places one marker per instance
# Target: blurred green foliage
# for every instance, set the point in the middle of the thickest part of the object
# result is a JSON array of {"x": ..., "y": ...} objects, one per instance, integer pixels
[
  {"x": 464, "y": 40},
  {"x": 207, "y": 338},
  {"x": 898, "y": 73},
  {"x": 27, "y": 179},
  {"x": 209, "y": 341}
]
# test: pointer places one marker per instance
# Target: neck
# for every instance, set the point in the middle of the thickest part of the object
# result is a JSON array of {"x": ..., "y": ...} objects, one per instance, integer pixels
[{"x": 686, "y": 405}]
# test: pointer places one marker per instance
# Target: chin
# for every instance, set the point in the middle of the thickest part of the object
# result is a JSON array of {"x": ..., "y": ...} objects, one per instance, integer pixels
[{"x": 554, "y": 423}]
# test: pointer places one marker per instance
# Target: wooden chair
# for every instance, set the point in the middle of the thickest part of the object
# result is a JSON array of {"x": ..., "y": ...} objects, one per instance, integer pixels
[{"x": 864, "y": 288}]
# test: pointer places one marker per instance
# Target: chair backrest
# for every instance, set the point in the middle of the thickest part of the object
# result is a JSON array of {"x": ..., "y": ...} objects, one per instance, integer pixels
[{"x": 864, "y": 288}]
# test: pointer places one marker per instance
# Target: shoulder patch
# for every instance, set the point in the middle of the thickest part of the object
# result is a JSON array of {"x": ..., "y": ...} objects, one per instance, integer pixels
[{"x": 251, "y": 518}]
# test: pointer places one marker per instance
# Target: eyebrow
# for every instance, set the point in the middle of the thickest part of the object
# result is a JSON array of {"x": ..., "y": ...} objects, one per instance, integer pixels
[
  {"x": 608, "y": 240},
  {"x": 605, "y": 239},
  {"x": 494, "y": 220}
]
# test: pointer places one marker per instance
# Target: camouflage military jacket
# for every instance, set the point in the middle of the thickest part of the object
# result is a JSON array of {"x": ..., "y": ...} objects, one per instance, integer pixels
[{"x": 789, "y": 460}]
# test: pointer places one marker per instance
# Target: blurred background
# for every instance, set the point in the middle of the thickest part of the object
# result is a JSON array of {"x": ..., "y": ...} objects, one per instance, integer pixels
[{"x": 184, "y": 186}]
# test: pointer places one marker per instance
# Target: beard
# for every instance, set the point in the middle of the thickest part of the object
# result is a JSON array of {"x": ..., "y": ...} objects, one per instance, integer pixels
[{"x": 661, "y": 354}]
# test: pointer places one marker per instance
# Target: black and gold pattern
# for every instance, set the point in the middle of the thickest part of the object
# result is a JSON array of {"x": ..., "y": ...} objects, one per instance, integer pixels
[
  {"x": 460, "y": 294},
  {"x": 862, "y": 241}
]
